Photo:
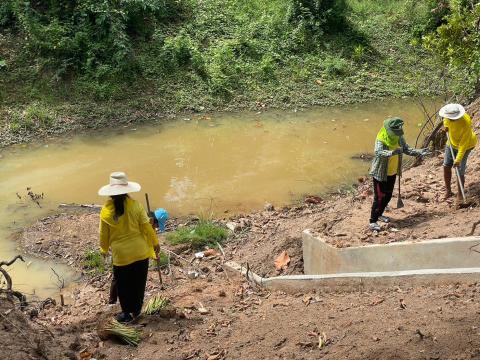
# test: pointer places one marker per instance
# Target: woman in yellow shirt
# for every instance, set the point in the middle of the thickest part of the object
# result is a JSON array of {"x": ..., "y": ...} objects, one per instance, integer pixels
[
  {"x": 125, "y": 229},
  {"x": 462, "y": 138}
]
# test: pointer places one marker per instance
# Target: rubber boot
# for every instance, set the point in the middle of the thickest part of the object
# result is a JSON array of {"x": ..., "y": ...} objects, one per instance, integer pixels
[{"x": 447, "y": 176}]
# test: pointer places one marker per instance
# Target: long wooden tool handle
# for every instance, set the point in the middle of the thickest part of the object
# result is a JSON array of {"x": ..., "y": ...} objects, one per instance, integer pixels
[
  {"x": 457, "y": 172},
  {"x": 399, "y": 172},
  {"x": 158, "y": 269},
  {"x": 148, "y": 203},
  {"x": 158, "y": 256}
]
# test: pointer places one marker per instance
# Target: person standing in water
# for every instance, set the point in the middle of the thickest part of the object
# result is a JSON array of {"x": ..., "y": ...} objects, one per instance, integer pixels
[
  {"x": 458, "y": 124},
  {"x": 389, "y": 144},
  {"x": 125, "y": 229}
]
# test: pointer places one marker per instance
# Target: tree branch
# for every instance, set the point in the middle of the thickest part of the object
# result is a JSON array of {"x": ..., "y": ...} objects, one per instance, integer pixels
[{"x": 2, "y": 263}]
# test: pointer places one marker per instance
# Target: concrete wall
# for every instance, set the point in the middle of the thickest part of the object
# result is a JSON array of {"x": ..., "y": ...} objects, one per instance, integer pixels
[{"x": 321, "y": 258}]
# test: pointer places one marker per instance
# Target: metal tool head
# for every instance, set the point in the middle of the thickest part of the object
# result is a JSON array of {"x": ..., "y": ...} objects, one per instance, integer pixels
[{"x": 400, "y": 203}]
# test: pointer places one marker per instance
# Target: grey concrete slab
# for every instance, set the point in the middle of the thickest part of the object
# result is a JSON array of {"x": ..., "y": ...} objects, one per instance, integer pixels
[
  {"x": 361, "y": 281},
  {"x": 322, "y": 258}
]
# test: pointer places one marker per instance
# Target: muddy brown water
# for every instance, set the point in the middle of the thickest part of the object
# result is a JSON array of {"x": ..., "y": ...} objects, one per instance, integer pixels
[{"x": 201, "y": 165}]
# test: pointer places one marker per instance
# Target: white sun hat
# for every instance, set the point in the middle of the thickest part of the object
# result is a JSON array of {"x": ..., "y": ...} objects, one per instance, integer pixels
[
  {"x": 119, "y": 185},
  {"x": 452, "y": 111}
]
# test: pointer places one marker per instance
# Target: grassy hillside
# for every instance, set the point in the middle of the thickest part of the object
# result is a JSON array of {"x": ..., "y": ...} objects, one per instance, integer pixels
[{"x": 139, "y": 63}]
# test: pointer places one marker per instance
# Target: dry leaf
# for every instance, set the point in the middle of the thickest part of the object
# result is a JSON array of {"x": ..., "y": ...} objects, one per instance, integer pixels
[
  {"x": 282, "y": 261},
  {"x": 202, "y": 310},
  {"x": 214, "y": 357},
  {"x": 323, "y": 341},
  {"x": 85, "y": 355},
  {"x": 307, "y": 300},
  {"x": 377, "y": 301},
  {"x": 210, "y": 252}
]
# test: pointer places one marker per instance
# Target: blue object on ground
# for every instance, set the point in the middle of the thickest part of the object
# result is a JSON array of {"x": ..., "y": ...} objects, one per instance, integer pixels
[{"x": 161, "y": 215}]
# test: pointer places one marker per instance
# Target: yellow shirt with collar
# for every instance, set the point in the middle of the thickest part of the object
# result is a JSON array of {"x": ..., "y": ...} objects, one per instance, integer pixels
[
  {"x": 461, "y": 135},
  {"x": 130, "y": 236}
]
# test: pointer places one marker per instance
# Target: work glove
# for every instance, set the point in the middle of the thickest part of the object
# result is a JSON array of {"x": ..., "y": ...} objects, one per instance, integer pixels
[
  {"x": 397, "y": 151},
  {"x": 424, "y": 152}
]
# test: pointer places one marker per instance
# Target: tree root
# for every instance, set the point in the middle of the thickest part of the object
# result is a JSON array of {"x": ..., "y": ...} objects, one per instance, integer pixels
[
  {"x": 8, "y": 291},
  {"x": 474, "y": 226}
]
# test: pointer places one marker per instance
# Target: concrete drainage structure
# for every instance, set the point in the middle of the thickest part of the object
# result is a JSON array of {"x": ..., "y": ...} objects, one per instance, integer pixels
[{"x": 409, "y": 263}]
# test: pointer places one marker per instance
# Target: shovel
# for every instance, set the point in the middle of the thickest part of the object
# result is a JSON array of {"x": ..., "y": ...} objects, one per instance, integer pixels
[
  {"x": 457, "y": 171},
  {"x": 399, "y": 174}
]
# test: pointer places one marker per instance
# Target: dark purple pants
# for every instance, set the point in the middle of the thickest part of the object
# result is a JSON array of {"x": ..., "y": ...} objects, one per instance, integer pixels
[{"x": 382, "y": 194}]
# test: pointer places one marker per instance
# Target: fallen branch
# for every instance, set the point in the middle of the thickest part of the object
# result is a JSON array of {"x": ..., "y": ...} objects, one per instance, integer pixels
[
  {"x": 60, "y": 280},
  {"x": 185, "y": 260},
  {"x": 2, "y": 263},
  {"x": 7, "y": 277},
  {"x": 474, "y": 226}
]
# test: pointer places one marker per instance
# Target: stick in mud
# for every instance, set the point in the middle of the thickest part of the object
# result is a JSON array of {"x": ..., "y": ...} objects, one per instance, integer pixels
[
  {"x": 158, "y": 256},
  {"x": 60, "y": 280}
]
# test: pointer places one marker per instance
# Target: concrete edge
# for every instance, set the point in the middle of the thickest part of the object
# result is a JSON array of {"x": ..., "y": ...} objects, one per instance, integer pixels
[
  {"x": 360, "y": 281},
  {"x": 250, "y": 275},
  {"x": 396, "y": 244}
]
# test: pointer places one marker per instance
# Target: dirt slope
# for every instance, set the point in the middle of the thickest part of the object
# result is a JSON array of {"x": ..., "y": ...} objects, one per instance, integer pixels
[
  {"x": 248, "y": 323},
  {"x": 23, "y": 339}
]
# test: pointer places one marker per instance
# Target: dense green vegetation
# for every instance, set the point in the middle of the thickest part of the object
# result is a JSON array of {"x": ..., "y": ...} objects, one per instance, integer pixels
[
  {"x": 92, "y": 63},
  {"x": 457, "y": 43},
  {"x": 205, "y": 233}
]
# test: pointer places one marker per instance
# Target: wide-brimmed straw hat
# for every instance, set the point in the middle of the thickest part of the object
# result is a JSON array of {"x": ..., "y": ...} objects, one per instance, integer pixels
[
  {"x": 452, "y": 111},
  {"x": 119, "y": 185}
]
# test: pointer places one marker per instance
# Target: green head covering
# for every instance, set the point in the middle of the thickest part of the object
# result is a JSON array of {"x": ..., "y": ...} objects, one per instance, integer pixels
[
  {"x": 394, "y": 126},
  {"x": 391, "y": 131}
]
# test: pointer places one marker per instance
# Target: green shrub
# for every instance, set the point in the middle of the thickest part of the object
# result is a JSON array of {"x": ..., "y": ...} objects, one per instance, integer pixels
[
  {"x": 318, "y": 16},
  {"x": 180, "y": 52},
  {"x": 17, "y": 124},
  {"x": 93, "y": 262},
  {"x": 6, "y": 14},
  {"x": 457, "y": 44},
  {"x": 34, "y": 116},
  {"x": 38, "y": 116},
  {"x": 334, "y": 66},
  {"x": 84, "y": 35},
  {"x": 205, "y": 233},
  {"x": 358, "y": 52},
  {"x": 187, "y": 53}
]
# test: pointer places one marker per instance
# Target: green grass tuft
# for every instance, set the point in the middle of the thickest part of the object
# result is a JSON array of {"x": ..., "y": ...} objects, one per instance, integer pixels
[
  {"x": 163, "y": 259},
  {"x": 205, "y": 233},
  {"x": 94, "y": 262}
]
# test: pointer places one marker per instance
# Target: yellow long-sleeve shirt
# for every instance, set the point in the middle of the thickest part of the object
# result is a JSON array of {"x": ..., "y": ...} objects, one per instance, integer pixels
[
  {"x": 130, "y": 236},
  {"x": 461, "y": 135}
]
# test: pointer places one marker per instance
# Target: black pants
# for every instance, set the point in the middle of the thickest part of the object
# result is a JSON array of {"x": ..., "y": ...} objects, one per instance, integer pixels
[
  {"x": 382, "y": 193},
  {"x": 131, "y": 280}
]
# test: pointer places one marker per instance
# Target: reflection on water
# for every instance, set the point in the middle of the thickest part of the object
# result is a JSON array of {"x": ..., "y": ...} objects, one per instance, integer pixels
[{"x": 227, "y": 162}]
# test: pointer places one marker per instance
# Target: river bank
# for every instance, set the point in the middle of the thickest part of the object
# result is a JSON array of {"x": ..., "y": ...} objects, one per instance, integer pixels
[
  {"x": 251, "y": 57},
  {"x": 246, "y": 322}
]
